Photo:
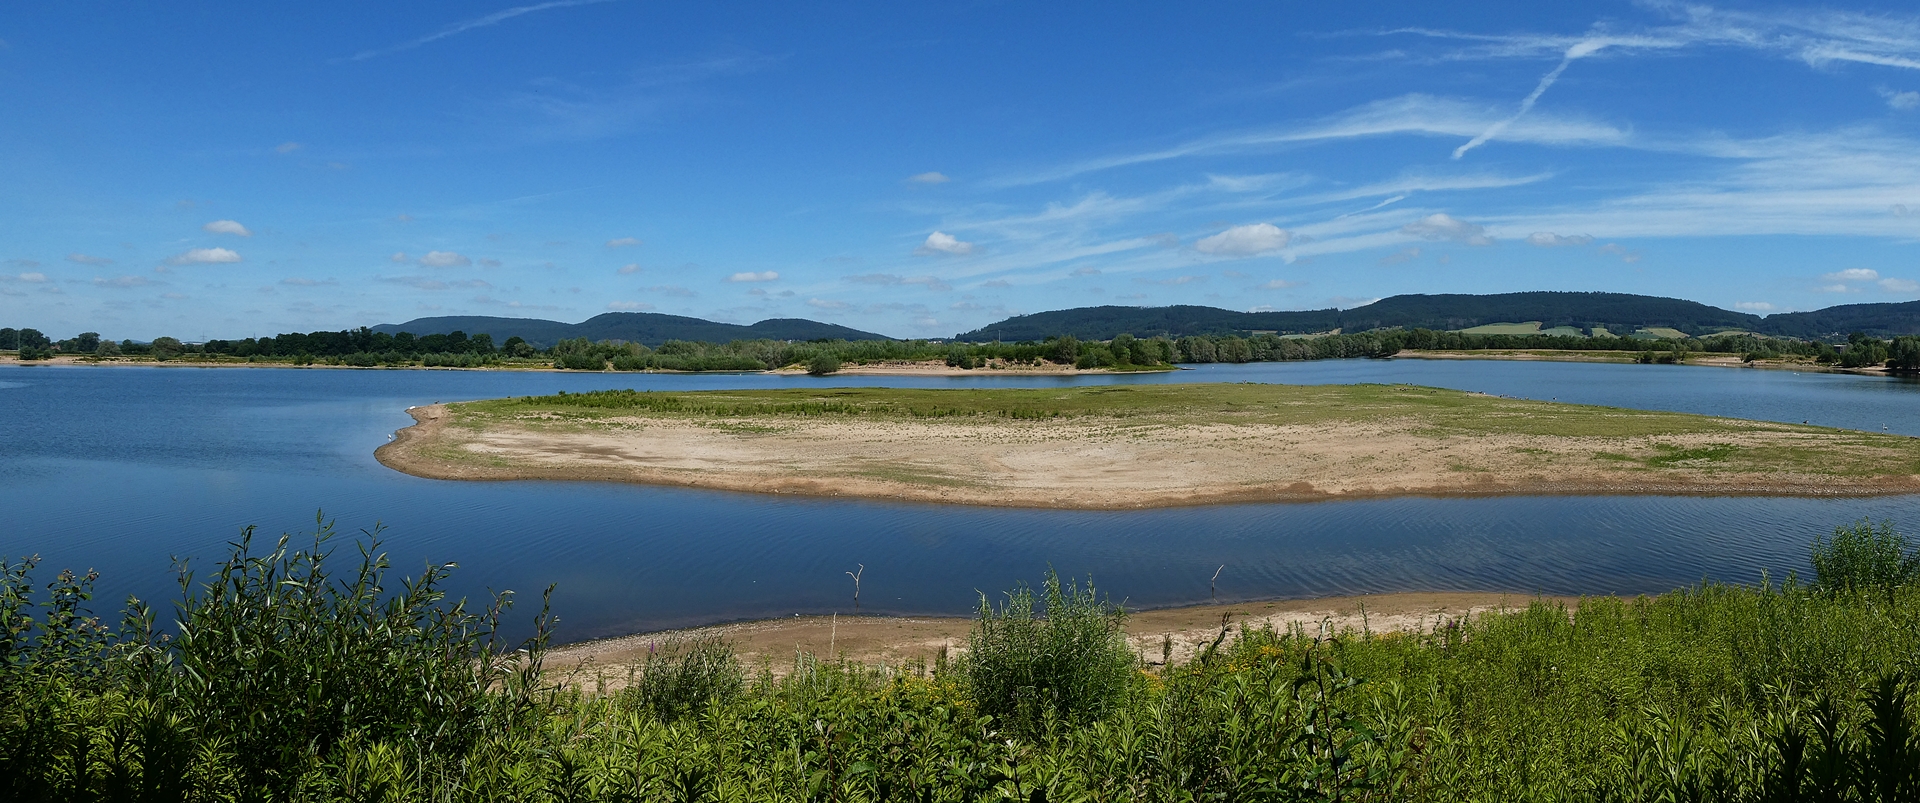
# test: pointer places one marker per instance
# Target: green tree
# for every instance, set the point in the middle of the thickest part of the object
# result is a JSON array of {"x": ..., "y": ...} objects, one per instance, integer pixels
[
  {"x": 166, "y": 348},
  {"x": 1904, "y": 353},
  {"x": 823, "y": 364},
  {"x": 87, "y": 342},
  {"x": 9, "y": 338}
]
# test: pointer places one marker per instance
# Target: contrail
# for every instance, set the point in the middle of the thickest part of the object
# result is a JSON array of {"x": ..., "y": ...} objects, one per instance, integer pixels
[
  {"x": 1581, "y": 50},
  {"x": 495, "y": 18}
]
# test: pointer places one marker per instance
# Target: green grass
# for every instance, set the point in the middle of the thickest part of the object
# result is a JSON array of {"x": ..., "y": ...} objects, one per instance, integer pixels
[{"x": 1528, "y": 328}]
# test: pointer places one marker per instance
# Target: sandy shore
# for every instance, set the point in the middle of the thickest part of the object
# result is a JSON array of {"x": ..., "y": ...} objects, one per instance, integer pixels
[
  {"x": 894, "y": 641},
  {"x": 1139, "y": 462}
]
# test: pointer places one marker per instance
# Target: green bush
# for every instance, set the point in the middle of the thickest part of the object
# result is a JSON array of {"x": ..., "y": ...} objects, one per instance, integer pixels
[
  {"x": 1865, "y": 557},
  {"x": 1071, "y": 663},
  {"x": 823, "y": 364},
  {"x": 581, "y": 362},
  {"x": 682, "y": 676}
]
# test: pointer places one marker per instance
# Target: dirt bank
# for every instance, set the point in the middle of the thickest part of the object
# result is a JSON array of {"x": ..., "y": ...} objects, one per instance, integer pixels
[{"x": 895, "y": 641}]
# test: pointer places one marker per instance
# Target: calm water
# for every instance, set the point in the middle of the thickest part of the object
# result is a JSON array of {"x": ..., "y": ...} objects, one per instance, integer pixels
[{"x": 121, "y": 469}]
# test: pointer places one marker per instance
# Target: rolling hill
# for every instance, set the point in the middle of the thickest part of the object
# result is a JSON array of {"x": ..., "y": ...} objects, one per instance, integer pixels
[
  {"x": 650, "y": 328},
  {"x": 1617, "y": 312}
]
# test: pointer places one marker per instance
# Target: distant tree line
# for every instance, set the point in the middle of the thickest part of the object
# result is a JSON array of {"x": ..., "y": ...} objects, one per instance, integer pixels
[{"x": 366, "y": 348}]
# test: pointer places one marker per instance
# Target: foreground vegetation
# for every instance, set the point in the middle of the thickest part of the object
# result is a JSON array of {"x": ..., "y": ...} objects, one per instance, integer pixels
[{"x": 286, "y": 680}]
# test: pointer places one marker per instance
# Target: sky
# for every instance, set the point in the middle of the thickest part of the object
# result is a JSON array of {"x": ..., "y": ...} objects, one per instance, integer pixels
[{"x": 225, "y": 170}]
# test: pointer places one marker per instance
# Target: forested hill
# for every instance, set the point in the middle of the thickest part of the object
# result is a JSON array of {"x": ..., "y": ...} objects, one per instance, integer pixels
[
  {"x": 1882, "y": 320},
  {"x": 650, "y": 328},
  {"x": 1617, "y": 312}
]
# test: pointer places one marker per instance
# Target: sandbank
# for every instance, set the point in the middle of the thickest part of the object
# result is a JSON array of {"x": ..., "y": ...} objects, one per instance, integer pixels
[{"x": 1142, "y": 446}]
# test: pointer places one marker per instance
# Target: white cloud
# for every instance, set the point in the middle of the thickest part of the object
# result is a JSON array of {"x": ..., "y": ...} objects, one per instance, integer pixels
[
  {"x": 85, "y": 259},
  {"x": 1402, "y": 255},
  {"x": 287, "y": 147},
  {"x": 296, "y": 281},
  {"x": 398, "y": 256},
  {"x": 445, "y": 259},
  {"x": 1852, "y": 275},
  {"x": 941, "y": 242},
  {"x": 403, "y": 218},
  {"x": 1407, "y": 114},
  {"x": 122, "y": 282},
  {"x": 204, "y": 256},
  {"x": 1547, "y": 239},
  {"x": 933, "y": 283},
  {"x": 821, "y": 303},
  {"x": 629, "y": 269},
  {"x": 34, "y": 277},
  {"x": 1085, "y": 272},
  {"x": 429, "y": 283},
  {"x": 1831, "y": 288},
  {"x": 1753, "y": 306},
  {"x": 1904, "y": 101},
  {"x": 1280, "y": 284},
  {"x": 1177, "y": 280},
  {"x": 1442, "y": 226},
  {"x": 629, "y": 306},
  {"x": 226, "y": 227},
  {"x": 1900, "y": 285},
  {"x": 930, "y": 177},
  {"x": 671, "y": 290},
  {"x": 623, "y": 242},
  {"x": 751, "y": 276},
  {"x": 1245, "y": 241}
]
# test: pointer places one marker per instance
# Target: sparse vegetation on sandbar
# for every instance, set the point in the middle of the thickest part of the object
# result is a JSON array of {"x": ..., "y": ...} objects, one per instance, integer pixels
[{"x": 1139, "y": 445}]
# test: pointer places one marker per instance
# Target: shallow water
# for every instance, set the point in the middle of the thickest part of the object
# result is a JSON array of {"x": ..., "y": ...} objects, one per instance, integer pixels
[{"x": 122, "y": 468}]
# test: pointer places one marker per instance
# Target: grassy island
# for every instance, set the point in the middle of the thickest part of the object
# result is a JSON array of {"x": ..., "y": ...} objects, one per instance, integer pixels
[{"x": 1139, "y": 446}]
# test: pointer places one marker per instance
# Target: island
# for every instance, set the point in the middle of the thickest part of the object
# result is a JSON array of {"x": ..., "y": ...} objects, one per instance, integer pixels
[{"x": 1139, "y": 446}]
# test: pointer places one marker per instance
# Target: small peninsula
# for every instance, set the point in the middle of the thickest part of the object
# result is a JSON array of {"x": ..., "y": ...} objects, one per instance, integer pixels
[{"x": 1141, "y": 446}]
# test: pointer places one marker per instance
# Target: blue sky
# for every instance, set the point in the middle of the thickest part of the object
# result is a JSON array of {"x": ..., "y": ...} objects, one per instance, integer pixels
[{"x": 235, "y": 169}]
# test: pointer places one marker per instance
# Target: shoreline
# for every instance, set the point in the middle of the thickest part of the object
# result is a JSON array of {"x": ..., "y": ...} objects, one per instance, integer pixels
[
  {"x": 937, "y": 369},
  {"x": 895, "y": 640},
  {"x": 1084, "y": 469},
  {"x": 931, "y": 368}
]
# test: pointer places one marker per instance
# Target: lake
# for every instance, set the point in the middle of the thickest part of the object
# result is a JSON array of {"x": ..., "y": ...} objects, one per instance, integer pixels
[{"x": 122, "y": 469}]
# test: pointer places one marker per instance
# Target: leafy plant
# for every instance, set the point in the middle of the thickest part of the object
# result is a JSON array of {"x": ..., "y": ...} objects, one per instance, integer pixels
[
  {"x": 1070, "y": 663},
  {"x": 1865, "y": 557}
]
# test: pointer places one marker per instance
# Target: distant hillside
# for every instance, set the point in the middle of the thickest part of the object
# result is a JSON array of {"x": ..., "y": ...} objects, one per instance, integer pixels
[
  {"x": 1102, "y": 323},
  {"x": 651, "y": 328},
  {"x": 1883, "y": 320},
  {"x": 1617, "y": 312}
]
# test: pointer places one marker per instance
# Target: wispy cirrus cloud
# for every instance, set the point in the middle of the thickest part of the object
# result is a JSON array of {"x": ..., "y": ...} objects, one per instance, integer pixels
[{"x": 461, "y": 27}]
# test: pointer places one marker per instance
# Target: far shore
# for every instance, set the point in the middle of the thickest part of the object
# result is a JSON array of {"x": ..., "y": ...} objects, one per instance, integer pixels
[
  {"x": 934, "y": 368},
  {"x": 1141, "y": 446},
  {"x": 901, "y": 640},
  {"x": 903, "y": 368}
]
